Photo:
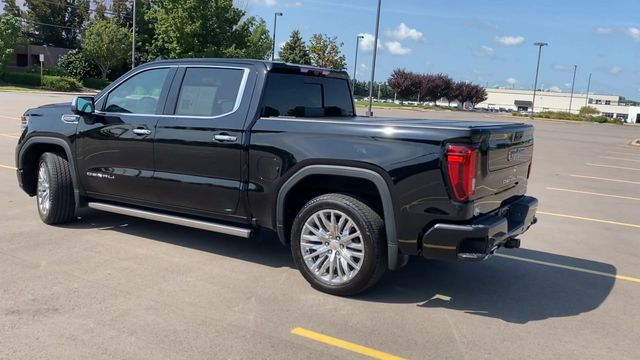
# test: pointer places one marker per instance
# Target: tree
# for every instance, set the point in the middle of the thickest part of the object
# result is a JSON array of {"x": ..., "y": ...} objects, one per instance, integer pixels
[
  {"x": 461, "y": 92},
  {"x": 204, "y": 28},
  {"x": 99, "y": 10},
  {"x": 107, "y": 44},
  {"x": 405, "y": 83},
  {"x": 324, "y": 51},
  {"x": 477, "y": 94},
  {"x": 122, "y": 12},
  {"x": 9, "y": 30},
  {"x": 76, "y": 64},
  {"x": 56, "y": 22},
  {"x": 12, "y": 8},
  {"x": 294, "y": 50}
]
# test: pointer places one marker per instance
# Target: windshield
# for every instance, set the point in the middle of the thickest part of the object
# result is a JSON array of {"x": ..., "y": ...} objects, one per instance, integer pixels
[{"x": 306, "y": 96}]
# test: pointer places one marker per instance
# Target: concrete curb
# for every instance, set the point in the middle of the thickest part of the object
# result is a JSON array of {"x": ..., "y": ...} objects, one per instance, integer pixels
[{"x": 45, "y": 92}]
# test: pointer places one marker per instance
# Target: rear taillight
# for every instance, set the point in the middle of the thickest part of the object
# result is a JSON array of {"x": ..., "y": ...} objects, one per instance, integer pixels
[
  {"x": 24, "y": 121},
  {"x": 462, "y": 165}
]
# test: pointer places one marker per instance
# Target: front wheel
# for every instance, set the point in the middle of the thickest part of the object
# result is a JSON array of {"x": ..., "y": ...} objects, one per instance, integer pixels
[
  {"x": 338, "y": 244},
  {"x": 54, "y": 190}
]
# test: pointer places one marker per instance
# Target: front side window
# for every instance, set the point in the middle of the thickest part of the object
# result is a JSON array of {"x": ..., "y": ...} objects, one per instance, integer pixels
[
  {"x": 139, "y": 94},
  {"x": 209, "y": 91}
]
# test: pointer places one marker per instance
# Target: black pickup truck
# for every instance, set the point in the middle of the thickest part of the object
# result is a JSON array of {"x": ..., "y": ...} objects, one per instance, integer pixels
[{"x": 247, "y": 148}]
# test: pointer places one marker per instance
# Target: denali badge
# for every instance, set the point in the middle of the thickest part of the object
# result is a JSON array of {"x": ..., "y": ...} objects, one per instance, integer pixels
[
  {"x": 100, "y": 175},
  {"x": 515, "y": 154}
]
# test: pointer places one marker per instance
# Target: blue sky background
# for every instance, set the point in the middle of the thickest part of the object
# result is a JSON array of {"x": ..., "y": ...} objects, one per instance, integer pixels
[{"x": 488, "y": 42}]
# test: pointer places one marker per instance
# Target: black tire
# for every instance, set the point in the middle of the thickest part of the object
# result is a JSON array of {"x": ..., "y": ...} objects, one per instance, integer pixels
[
  {"x": 373, "y": 241},
  {"x": 62, "y": 206}
]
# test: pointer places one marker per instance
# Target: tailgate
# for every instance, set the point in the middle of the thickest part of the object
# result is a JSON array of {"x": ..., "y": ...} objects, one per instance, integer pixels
[{"x": 506, "y": 153}]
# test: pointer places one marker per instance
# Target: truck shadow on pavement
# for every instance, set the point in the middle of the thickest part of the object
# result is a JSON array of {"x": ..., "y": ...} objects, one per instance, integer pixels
[
  {"x": 509, "y": 289},
  {"x": 512, "y": 290}
]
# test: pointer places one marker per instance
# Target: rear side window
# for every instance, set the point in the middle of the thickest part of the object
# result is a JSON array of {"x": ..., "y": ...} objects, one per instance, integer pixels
[
  {"x": 306, "y": 96},
  {"x": 209, "y": 91}
]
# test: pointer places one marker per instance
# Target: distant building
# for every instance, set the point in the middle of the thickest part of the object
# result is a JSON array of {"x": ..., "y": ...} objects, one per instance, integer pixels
[
  {"x": 612, "y": 106},
  {"x": 24, "y": 57}
]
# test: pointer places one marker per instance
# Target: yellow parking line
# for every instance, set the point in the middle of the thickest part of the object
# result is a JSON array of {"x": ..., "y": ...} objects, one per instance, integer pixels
[
  {"x": 592, "y": 193},
  {"x": 613, "y": 167},
  {"x": 362, "y": 350},
  {"x": 10, "y": 136},
  {"x": 7, "y": 167},
  {"x": 589, "y": 219},
  {"x": 594, "y": 272},
  {"x": 617, "y": 158},
  {"x": 606, "y": 179},
  {"x": 10, "y": 117}
]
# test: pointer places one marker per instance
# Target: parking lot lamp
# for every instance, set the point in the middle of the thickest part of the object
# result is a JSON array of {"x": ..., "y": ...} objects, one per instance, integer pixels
[
  {"x": 355, "y": 65},
  {"x": 535, "y": 84},
  {"x": 373, "y": 64},
  {"x": 275, "y": 24},
  {"x": 573, "y": 82}
]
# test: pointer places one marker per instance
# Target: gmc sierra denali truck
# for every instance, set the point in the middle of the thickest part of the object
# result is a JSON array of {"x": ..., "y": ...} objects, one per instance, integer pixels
[{"x": 244, "y": 147}]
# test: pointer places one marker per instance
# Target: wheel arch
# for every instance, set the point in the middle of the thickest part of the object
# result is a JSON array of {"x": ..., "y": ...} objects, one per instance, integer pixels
[
  {"x": 29, "y": 156},
  {"x": 348, "y": 172}
]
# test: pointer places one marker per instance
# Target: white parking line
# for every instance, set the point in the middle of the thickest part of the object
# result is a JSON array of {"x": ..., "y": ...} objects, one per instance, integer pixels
[
  {"x": 606, "y": 179},
  {"x": 617, "y": 158},
  {"x": 592, "y": 193},
  {"x": 623, "y": 153},
  {"x": 613, "y": 167},
  {"x": 567, "y": 267}
]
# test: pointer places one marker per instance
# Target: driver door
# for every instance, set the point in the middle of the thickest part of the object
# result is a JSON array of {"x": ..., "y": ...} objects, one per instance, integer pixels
[{"x": 115, "y": 145}]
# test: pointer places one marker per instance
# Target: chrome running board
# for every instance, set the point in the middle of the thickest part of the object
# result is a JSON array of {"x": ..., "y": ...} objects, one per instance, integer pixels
[{"x": 172, "y": 219}]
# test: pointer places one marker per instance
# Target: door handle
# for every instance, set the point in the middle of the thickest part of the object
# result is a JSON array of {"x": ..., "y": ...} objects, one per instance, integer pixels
[
  {"x": 141, "y": 131},
  {"x": 225, "y": 138}
]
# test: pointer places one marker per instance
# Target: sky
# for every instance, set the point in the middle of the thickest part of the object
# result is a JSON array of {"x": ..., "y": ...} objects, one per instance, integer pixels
[{"x": 487, "y": 42}]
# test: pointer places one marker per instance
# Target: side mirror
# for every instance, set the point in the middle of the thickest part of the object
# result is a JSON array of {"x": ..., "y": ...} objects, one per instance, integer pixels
[{"x": 83, "y": 105}]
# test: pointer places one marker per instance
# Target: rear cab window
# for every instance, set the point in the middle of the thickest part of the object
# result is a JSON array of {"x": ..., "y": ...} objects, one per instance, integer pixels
[
  {"x": 300, "y": 95},
  {"x": 210, "y": 91}
]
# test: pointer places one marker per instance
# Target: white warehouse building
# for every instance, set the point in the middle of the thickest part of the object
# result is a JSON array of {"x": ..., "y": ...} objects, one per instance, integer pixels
[{"x": 521, "y": 100}]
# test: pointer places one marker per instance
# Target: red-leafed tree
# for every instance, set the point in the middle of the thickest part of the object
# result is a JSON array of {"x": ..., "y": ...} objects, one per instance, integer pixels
[{"x": 405, "y": 83}]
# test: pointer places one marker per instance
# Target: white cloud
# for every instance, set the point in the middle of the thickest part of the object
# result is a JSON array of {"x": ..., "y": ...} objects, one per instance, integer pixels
[
  {"x": 567, "y": 85},
  {"x": 295, "y": 4},
  {"x": 510, "y": 40},
  {"x": 562, "y": 67},
  {"x": 273, "y": 3},
  {"x": 485, "y": 51},
  {"x": 634, "y": 33},
  {"x": 511, "y": 81},
  {"x": 396, "y": 48},
  {"x": 603, "y": 30},
  {"x": 366, "y": 43},
  {"x": 555, "y": 89},
  {"x": 403, "y": 32},
  {"x": 615, "y": 70}
]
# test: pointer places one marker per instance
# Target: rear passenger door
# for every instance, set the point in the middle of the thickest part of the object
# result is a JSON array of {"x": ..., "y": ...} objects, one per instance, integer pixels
[{"x": 198, "y": 143}]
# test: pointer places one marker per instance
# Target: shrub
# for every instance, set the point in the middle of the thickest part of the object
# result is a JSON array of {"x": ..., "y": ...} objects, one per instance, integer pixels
[
  {"x": 97, "y": 84},
  {"x": 61, "y": 83},
  {"x": 77, "y": 65},
  {"x": 21, "y": 78}
]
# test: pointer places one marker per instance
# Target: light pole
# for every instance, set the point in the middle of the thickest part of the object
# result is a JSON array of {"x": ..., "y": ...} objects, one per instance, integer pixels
[
  {"x": 133, "y": 37},
  {"x": 586, "y": 101},
  {"x": 373, "y": 65},
  {"x": 573, "y": 82},
  {"x": 355, "y": 65},
  {"x": 535, "y": 84},
  {"x": 275, "y": 24}
]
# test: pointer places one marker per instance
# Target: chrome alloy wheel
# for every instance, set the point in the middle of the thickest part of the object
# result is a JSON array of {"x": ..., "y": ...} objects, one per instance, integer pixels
[
  {"x": 44, "y": 198},
  {"x": 332, "y": 246}
]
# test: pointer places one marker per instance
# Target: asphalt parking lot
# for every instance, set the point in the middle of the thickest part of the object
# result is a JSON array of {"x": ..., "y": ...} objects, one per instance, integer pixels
[{"x": 110, "y": 286}]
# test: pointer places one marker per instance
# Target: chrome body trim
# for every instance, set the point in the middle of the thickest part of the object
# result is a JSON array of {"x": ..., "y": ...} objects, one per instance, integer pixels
[
  {"x": 172, "y": 219},
  {"x": 236, "y": 106}
]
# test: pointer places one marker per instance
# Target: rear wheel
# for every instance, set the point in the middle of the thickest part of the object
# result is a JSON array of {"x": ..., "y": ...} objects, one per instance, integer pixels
[
  {"x": 338, "y": 244},
  {"x": 54, "y": 190}
]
